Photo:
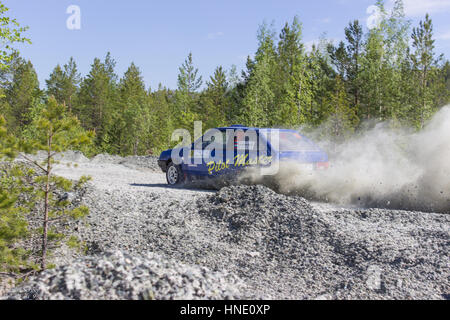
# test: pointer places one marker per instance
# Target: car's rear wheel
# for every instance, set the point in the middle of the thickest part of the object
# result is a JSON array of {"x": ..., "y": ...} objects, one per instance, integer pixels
[{"x": 174, "y": 175}]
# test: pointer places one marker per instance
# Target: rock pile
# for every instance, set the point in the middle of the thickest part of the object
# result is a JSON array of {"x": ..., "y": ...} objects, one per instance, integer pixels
[
  {"x": 346, "y": 254},
  {"x": 117, "y": 275}
]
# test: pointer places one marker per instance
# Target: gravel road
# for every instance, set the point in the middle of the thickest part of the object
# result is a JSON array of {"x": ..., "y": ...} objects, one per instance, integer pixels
[{"x": 260, "y": 243}]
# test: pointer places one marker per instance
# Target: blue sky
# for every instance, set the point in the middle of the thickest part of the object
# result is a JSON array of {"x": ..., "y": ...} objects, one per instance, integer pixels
[{"x": 158, "y": 35}]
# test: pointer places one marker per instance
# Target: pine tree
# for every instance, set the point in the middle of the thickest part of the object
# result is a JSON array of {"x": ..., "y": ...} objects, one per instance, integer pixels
[
  {"x": 340, "y": 59},
  {"x": 442, "y": 85},
  {"x": 55, "y": 84},
  {"x": 163, "y": 120},
  {"x": 186, "y": 96},
  {"x": 55, "y": 132},
  {"x": 5, "y": 108},
  {"x": 96, "y": 100},
  {"x": 446, "y": 78},
  {"x": 371, "y": 76},
  {"x": 376, "y": 67},
  {"x": 354, "y": 36},
  {"x": 188, "y": 79},
  {"x": 22, "y": 93},
  {"x": 395, "y": 29},
  {"x": 13, "y": 225},
  {"x": 347, "y": 60},
  {"x": 72, "y": 78},
  {"x": 6, "y": 78},
  {"x": 259, "y": 97},
  {"x": 63, "y": 84},
  {"x": 342, "y": 119},
  {"x": 110, "y": 65},
  {"x": 134, "y": 112},
  {"x": 321, "y": 78},
  {"x": 215, "y": 100},
  {"x": 423, "y": 61},
  {"x": 292, "y": 81},
  {"x": 235, "y": 96},
  {"x": 246, "y": 74}
]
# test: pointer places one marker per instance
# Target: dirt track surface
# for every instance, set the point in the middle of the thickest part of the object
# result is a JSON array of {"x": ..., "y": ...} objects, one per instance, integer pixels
[
  {"x": 116, "y": 177},
  {"x": 280, "y": 247}
]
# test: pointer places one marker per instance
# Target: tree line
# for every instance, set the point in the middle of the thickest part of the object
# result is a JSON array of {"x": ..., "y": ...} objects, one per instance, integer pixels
[{"x": 389, "y": 73}]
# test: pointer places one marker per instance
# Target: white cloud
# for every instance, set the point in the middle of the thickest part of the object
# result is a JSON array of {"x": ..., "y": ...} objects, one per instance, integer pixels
[
  {"x": 414, "y": 8},
  {"x": 374, "y": 16},
  {"x": 443, "y": 36},
  {"x": 309, "y": 44},
  {"x": 324, "y": 20},
  {"x": 319, "y": 42},
  {"x": 215, "y": 35}
]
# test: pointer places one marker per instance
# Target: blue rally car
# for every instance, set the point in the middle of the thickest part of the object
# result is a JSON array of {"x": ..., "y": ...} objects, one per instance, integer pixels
[{"x": 227, "y": 151}]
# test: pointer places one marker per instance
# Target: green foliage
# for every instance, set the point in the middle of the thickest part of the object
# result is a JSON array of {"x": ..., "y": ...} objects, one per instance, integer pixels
[
  {"x": 54, "y": 131},
  {"x": 186, "y": 104},
  {"x": 259, "y": 101},
  {"x": 424, "y": 70},
  {"x": 10, "y": 33},
  {"x": 133, "y": 115},
  {"x": 342, "y": 118},
  {"x": 13, "y": 225},
  {"x": 163, "y": 120},
  {"x": 75, "y": 243},
  {"x": 7, "y": 142},
  {"x": 96, "y": 99},
  {"x": 293, "y": 79},
  {"x": 64, "y": 84},
  {"x": 22, "y": 94},
  {"x": 214, "y": 100},
  {"x": 188, "y": 79}
]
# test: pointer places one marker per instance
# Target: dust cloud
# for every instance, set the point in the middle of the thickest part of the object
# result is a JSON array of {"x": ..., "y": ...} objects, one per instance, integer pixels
[{"x": 383, "y": 167}]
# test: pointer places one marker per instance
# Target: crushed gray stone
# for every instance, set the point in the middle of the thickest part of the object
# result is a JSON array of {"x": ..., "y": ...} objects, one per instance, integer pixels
[
  {"x": 117, "y": 275},
  {"x": 281, "y": 246},
  {"x": 350, "y": 254}
]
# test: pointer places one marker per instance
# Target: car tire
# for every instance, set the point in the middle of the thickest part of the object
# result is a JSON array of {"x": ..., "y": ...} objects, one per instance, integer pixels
[{"x": 174, "y": 175}]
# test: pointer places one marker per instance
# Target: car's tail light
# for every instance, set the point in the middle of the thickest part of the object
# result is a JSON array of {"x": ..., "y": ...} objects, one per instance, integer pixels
[{"x": 322, "y": 165}]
